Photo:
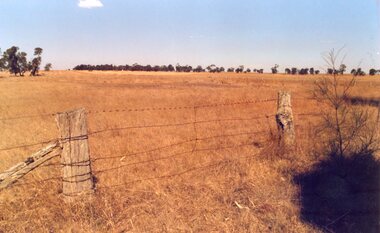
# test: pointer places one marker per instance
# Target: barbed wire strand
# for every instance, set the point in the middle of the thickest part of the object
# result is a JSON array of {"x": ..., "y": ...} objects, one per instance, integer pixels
[
  {"x": 139, "y": 109},
  {"x": 176, "y": 144},
  {"x": 28, "y": 145},
  {"x": 206, "y": 166},
  {"x": 28, "y": 116},
  {"x": 67, "y": 179},
  {"x": 171, "y": 156},
  {"x": 180, "y": 107},
  {"x": 151, "y": 126},
  {"x": 151, "y": 109},
  {"x": 177, "y": 124}
]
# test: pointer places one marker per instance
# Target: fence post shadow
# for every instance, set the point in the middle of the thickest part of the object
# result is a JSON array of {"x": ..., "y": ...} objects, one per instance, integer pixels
[{"x": 342, "y": 194}]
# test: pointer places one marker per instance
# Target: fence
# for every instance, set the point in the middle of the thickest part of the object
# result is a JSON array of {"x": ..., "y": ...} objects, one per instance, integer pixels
[{"x": 76, "y": 163}]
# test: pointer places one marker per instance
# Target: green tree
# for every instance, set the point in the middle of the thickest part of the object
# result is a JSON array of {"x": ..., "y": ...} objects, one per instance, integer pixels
[
  {"x": 372, "y": 72},
  {"x": 275, "y": 69},
  {"x": 36, "y": 62},
  {"x": 48, "y": 67},
  {"x": 22, "y": 63},
  {"x": 10, "y": 60},
  {"x": 14, "y": 61},
  {"x": 2, "y": 64},
  {"x": 342, "y": 68}
]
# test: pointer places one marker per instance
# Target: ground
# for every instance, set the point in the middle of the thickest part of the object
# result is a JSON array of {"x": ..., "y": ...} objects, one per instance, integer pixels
[{"x": 177, "y": 152}]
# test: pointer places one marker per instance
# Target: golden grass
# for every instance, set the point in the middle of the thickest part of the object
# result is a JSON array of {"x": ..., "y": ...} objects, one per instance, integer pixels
[{"x": 236, "y": 183}]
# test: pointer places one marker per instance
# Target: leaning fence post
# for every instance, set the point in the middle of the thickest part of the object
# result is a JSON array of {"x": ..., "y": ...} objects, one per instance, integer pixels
[
  {"x": 76, "y": 165},
  {"x": 284, "y": 119}
]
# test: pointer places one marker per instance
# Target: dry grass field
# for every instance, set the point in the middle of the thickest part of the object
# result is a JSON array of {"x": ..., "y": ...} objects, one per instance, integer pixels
[{"x": 152, "y": 176}]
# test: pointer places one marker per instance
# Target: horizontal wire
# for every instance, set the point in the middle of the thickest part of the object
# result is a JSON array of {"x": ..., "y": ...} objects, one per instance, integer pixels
[
  {"x": 180, "y": 107},
  {"x": 151, "y": 109},
  {"x": 141, "y": 109},
  {"x": 143, "y": 152},
  {"x": 27, "y": 116},
  {"x": 73, "y": 138},
  {"x": 27, "y": 145},
  {"x": 65, "y": 179},
  {"x": 20, "y": 184},
  {"x": 164, "y": 176},
  {"x": 176, "y": 144},
  {"x": 82, "y": 137},
  {"x": 209, "y": 165},
  {"x": 170, "y": 156},
  {"x": 176, "y": 124}
]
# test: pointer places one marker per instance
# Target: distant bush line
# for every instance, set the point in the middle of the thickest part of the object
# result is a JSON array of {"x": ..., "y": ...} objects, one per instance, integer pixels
[{"x": 216, "y": 69}]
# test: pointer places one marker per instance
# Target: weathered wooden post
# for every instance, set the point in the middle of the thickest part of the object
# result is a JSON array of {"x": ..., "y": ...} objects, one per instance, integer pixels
[
  {"x": 76, "y": 171},
  {"x": 19, "y": 170},
  {"x": 284, "y": 119}
]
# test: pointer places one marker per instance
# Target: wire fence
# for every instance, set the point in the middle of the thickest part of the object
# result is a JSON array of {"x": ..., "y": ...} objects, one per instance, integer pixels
[{"x": 193, "y": 142}]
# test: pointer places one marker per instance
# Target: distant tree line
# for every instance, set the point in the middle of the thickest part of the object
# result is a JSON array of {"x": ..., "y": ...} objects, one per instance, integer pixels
[
  {"x": 16, "y": 62},
  {"x": 166, "y": 68},
  {"x": 302, "y": 71},
  {"x": 215, "y": 69}
]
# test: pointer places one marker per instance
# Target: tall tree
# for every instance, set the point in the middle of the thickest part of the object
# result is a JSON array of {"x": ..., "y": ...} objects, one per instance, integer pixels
[
  {"x": 12, "y": 59},
  {"x": 2, "y": 64},
  {"x": 36, "y": 62},
  {"x": 274, "y": 69},
  {"x": 22, "y": 63},
  {"x": 342, "y": 68},
  {"x": 171, "y": 68}
]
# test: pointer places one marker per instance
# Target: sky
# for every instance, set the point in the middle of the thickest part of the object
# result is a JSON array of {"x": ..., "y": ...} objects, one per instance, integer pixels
[{"x": 229, "y": 33}]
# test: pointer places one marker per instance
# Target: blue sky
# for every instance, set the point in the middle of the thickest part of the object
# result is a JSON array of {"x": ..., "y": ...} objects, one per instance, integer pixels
[{"x": 254, "y": 33}]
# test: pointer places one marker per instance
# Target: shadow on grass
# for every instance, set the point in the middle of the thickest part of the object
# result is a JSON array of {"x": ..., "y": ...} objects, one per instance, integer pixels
[{"x": 342, "y": 195}]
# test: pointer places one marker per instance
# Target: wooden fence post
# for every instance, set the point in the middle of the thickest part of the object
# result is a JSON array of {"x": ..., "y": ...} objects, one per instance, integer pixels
[
  {"x": 284, "y": 119},
  {"x": 76, "y": 171}
]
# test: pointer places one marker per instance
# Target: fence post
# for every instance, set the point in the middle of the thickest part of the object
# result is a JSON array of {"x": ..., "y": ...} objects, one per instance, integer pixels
[
  {"x": 284, "y": 119},
  {"x": 76, "y": 165}
]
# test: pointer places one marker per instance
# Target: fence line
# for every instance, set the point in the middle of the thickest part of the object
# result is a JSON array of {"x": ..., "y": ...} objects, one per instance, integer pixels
[
  {"x": 80, "y": 127},
  {"x": 181, "y": 107},
  {"x": 152, "y": 109},
  {"x": 208, "y": 165},
  {"x": 126, "y": 165},
  {"x": 170, "y": 156},
  {"x": 195, "y": 139},
  {"x": 143, "y": 109},
  {"x": 131, "y": 164},
  {"x": 177, "y": 124},
  {"x": 197, "y": 168},
  {"x": 149, "y": 126}
]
